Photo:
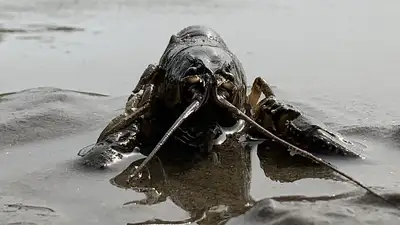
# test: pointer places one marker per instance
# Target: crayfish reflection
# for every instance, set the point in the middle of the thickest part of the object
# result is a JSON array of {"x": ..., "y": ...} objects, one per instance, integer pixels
[{"x": 214, "y": 189}]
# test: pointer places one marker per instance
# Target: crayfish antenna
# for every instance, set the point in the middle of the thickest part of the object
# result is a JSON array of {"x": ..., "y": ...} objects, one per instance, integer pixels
[
  {"x": 188, "y": 111},
  {"x": 293, "y": 149}
]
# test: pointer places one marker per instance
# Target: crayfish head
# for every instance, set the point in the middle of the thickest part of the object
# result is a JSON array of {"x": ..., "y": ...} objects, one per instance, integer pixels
[
  {"x": 207, "y": 83},
  {"x": 201, "y": 80}
]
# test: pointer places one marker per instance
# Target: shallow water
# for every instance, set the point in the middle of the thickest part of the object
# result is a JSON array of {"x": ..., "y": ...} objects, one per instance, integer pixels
[{"x": 336, "y": 60}]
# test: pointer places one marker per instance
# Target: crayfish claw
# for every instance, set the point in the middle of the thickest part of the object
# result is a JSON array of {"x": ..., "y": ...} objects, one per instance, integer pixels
[
  {"x": 289, "y": 123},
  {"x": 319, "y": 138}
]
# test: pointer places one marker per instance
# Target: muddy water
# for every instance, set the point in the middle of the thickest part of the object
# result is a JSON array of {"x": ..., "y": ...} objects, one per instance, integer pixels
[{"x": 336, "y": 60}]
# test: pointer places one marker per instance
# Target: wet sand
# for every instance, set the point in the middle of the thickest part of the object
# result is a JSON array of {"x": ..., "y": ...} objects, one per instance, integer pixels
[{"x": 335, "y": 60}]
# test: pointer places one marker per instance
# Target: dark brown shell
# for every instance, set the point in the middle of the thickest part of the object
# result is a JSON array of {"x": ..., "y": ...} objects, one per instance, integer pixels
[{"x": 204, "y": 49}]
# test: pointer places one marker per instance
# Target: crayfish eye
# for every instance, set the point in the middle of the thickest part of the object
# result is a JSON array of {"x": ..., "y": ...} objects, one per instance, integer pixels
[
  {"x": 191, "y": 71},
  {"x": 229, "y": 76}
]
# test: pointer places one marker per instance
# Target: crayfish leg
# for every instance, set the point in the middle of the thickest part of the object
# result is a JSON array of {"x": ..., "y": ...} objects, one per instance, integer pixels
[
  {"x": 259, "y": 86},
  {"x": 137, "y": 104},
  {"x": 137, "y": 107},
  {"x": 147, "y": 77}
]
